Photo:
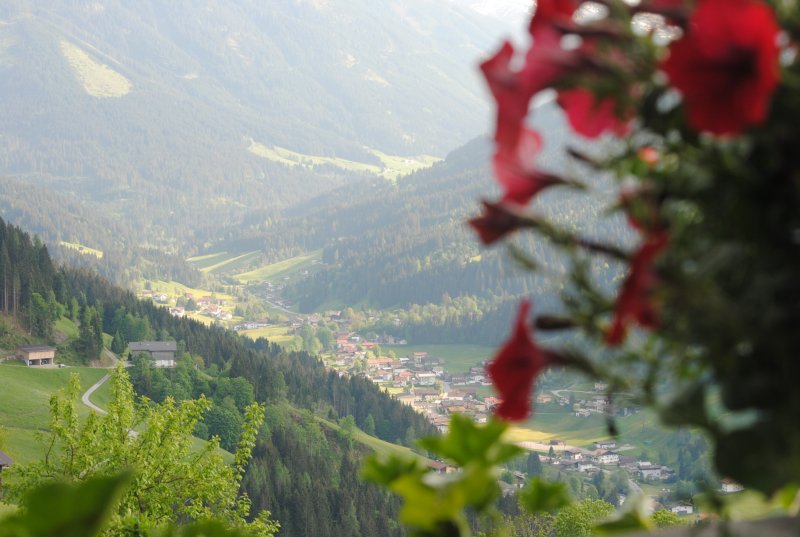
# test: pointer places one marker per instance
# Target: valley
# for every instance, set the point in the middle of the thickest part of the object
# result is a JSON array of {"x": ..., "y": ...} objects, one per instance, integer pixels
[{"x": 279, "y": 198}]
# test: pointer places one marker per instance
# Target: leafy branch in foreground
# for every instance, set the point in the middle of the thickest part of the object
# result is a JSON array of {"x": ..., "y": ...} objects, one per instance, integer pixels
[{"x": 170, "y": 480}]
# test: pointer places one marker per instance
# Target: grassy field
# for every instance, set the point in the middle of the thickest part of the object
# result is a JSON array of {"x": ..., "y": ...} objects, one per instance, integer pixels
[
  {"x": 175, "y": 289},
  {"x": 392, "y": 166},
  {"x": 24, "y": 403},
  {"x": 457, "y": 358},
  {"x": 97, "y": 79},
  {"x": 281, "y": 269},
  {"x": 222, "y": 261},
  {"x": 395, "y": 166},
  {"x": 276, "y": 334},
  {"x": 66, "y": 327},
  {"x": 201, "y": 262},
  {"x": 551, "y": 422},
  {"x": 82, "y": 249},
  {"x": 377, "y": 445}
]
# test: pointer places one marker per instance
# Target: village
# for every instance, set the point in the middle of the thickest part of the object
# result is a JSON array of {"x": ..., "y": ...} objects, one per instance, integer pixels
[{"x": 423, "y": 381}]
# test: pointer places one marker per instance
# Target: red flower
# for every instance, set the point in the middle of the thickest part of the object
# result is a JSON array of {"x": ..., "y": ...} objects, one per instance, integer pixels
[
  {"x": 515, "y": 368},
  {"x": 726, "y": 66},
  {"x": 510, "y": 94},
  {"x": 633, "y": 302},
  {"x": 545, "y": 63},
  {"x": 515, "y": 171},
  {"x": 552, "y": 11},
  {"x": 590, "y": 117},
  {"x": 497, "y": 221}
]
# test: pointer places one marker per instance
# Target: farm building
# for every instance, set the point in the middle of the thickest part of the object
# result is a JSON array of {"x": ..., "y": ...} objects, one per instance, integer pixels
[
  {"x": 36, "y": 355},
  {"x": 161, "y": 352}
]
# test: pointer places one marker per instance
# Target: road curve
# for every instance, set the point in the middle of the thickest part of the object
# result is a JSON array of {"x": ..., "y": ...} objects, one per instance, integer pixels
[{"x": 90, "y": 391}]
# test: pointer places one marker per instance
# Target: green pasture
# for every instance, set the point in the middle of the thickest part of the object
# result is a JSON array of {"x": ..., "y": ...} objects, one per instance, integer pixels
[
  {"x": 223, "y": 261},
  {"x": 82, "y": 249},
  {"x": 281, "y": 269},
  {"x": 552, "y": 422},
  {"x": 457, "y": 358},
  {"x": 67, "y": 327},
  {"x": 176, "y": 289},
  {"x": 381, "y": 447},
  {"x": 97, "y": 79},
  {"x": 204, "y": 261},
  {"x": 396, "y": 166},
  {"x": 25, "y": 403},
  {"x": 392, "y": 166},
  {"x": 275, "y": 334}
]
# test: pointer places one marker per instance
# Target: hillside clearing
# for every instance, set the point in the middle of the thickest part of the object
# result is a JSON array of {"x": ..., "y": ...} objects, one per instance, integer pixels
[
  {"x": 392, "y": 166},
  {"x": 281, "y": 269},
  {"x": 97, "y": 79},
  {"x": 457, "y": 358},
  {"x": 222, "y": 261},
  {"x": 82, "y": 249},
  {"x": 177, "y": 289}
]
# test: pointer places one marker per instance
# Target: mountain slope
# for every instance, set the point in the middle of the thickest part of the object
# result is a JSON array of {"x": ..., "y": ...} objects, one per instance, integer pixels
[{"x": 179, "y": 118}]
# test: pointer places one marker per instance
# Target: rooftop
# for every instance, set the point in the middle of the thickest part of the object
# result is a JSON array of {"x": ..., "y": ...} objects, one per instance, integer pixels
[
  {"x": 36, "y": 348},
  {"x": 153, "y": 346}
]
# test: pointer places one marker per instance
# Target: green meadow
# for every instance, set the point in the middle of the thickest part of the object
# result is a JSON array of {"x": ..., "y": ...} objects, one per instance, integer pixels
[
  {"x": 275, "y": 334},
  {"x": 457, "y": 358},
  {"x": 392, "y": 166},
  {"x": 223, "y": 261},
  {"x": 281, "y": 269},
  {"x": 24, "y": 403}
]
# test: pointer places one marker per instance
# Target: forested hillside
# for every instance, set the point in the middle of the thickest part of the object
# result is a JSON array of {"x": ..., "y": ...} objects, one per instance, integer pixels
[
  {"x": 179, "y": 118},
  {"x": 303, "y": 470},
  {"x": 403, "y": 244}
]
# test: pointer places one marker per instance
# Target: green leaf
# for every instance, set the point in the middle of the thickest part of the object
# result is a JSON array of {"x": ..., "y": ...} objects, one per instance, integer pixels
[
  {"x": 384, "y": 471},
  {"x": 541, "y": 496},
  {"x": 67, "y": 510},
  {"x": 789, "y": 498},
  {"x": 634, "y": 519},
  {"x": 468, "y": 443}
]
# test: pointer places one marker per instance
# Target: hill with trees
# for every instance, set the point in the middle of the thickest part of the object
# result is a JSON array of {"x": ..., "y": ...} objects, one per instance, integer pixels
[
  {"x": 299, "y": 462},
  {"x": 177, "y": 119}
]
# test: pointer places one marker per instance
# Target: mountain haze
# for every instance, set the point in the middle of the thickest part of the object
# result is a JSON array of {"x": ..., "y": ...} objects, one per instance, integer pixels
[{"x": 195, "y": 113}]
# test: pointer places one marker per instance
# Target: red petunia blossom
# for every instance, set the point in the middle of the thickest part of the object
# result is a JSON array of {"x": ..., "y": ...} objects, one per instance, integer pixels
[
  {"x": 590, "y": 117},
  {"x": 545, "y": 62},
  {"x": 634, "y": 300},
  {"x": 515, "y": 171},
  {"x": 726, "y": 66},
  {"x": 509, "y": 92},
  {"x": 515, "y": 367},
  {"x": 549, "y": 12},
  {"x": 498, "y": 220}
]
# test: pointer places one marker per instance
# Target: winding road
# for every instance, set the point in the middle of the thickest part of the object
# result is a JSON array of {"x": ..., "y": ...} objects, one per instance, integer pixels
[{"x": 88, "y": 393}]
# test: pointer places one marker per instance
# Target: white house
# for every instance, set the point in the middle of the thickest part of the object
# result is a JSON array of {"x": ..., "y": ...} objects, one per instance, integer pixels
[
  {"x": 649, "y": 470},
  {"x": 729, "y": 486},
  {"x": 607, "y": 457},
  {"x": 586, "y": 466},
  {"x": 682, "y": 509},
  {"x": 605, "y": 444},
  {"x": 426, "y": 379}
]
